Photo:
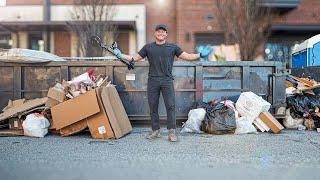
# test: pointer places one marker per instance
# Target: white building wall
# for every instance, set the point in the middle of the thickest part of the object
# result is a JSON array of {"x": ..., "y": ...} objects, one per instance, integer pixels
[
  {"x": 135, "y": 13},
  {"x": 21, "y": 13}
]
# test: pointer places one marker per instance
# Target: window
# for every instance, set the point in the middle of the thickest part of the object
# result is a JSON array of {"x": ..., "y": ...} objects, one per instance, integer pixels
[
  {"x": 2, "y": 2},
  {"x": 5, "y": 41},
  {"x": 36, "y": 41}
]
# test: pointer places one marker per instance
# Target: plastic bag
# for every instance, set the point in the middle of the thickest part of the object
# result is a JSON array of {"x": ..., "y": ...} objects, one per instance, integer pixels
[
  {"x": 35, "y": 125},
  {"x": 86, "y": 78},
  {"x": 195, "y": 118},
  {"x": 244, "y": 126},
  {"x": 290, "y": 122},
  {"x": 219, "y": 120},
  {"x": 251, "y": 105}
]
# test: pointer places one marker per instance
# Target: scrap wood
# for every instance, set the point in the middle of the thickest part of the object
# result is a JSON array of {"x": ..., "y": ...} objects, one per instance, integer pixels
[
  {"x": 10, "y": 132},
  {"x": 288, "y": 84},
  {"x": 305, "y": 81},
  {"x": 309, "y": 88}
]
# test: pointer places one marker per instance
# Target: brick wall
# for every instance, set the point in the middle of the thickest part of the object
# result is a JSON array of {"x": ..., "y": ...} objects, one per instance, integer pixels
[
  {"x": 185, "y": 18},
  {"x": 307, "y": 13}
]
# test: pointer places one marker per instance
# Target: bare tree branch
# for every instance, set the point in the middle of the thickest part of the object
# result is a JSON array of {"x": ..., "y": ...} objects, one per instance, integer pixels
[
  {"x": 244, "y": 22},
  {"x": 92, "y": 17}
]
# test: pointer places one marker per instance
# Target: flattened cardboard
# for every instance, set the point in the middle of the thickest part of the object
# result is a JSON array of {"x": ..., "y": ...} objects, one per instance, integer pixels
[
  {"x": 51, "y": 102},
  {"x": 30, "y": 104},
  {"x": 271, "y": 122},
  {"x": 56, "y": 94},
  {"x": 11, "y": 103},
  {"x": 98, "y": 124},
  {"x": 10, "y": 132},
  {"x": 117, "y": 115},
  {"x": 74, "y": 128},
  {"x": 74, "y": 110}
]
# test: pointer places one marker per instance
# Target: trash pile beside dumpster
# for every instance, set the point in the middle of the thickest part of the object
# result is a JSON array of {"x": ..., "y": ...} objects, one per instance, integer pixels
[
  {"x": 247, "y": 115},
  {"x": 70, "y": 107},
  {"x": 303, "y": 103}
]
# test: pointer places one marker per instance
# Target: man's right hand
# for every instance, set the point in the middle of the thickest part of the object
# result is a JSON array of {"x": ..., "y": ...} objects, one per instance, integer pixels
[{"x": 117, "y": 53}]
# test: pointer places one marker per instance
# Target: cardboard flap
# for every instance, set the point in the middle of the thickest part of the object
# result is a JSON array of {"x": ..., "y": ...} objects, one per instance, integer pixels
[
  {"x": 117, "y": 115},
  {"x": 99, "y": 124},
  {"x": 74, "y": 110},
  {"x": 30, "y": 104}
]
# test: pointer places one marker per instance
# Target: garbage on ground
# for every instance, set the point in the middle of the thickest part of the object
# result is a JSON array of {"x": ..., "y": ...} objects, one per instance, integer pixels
[
  {"x": 271, "y": 122},
  {"x": 247, "y": 115},
  {"x": 244, "y": 126},
  {"x": 71, "y": 106},
  {"x": 195, "y": 118},
  {"x": 251, "y": 105},
  {"x": 219, "y": 119},
  {"x": 35, "y": 125},
  {"x": 303, "y": 103},
  {"x": 18, "y": 55}
]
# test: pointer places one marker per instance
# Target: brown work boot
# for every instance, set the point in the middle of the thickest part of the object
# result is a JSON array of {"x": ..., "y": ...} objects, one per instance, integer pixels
[
  {"x": 154, "y": 134},
  {"x": 172, "y": 137}
]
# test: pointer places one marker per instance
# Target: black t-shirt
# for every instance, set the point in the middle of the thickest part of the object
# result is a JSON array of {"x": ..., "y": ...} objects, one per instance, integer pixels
[{"x": 160, "y": 58}]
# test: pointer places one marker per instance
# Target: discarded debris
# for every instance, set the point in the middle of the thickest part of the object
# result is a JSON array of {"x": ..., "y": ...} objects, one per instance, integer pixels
[{"x": 303, "y": 102}]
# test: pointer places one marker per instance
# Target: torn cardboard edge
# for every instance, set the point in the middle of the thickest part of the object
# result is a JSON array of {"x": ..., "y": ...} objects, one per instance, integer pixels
[
  {"x": 28, "y": 105},
  {"x": 10, "y": 132}
]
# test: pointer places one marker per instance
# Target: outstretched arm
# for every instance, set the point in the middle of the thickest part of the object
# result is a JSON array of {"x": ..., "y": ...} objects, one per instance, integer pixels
[
  {"x": 136, "y": 57},
  {"x": 204, "y": 52},
  {"x": 189, "y": 57},
  {"x": 118, "y": 54}
]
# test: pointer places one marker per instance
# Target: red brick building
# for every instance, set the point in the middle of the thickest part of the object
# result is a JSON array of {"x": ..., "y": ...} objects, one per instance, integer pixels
[{"x": 190, "y": 22}]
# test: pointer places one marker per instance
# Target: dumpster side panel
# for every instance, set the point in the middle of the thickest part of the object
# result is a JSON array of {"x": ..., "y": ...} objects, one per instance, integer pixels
[
  {"x": 37, "y": 80},
  {"x": 6, "y": 85},
  {"x": 220, "y": 82}
]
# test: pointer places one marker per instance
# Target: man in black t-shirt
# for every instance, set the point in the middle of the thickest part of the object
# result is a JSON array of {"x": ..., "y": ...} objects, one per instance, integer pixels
[{"x": 161, "y": 56}]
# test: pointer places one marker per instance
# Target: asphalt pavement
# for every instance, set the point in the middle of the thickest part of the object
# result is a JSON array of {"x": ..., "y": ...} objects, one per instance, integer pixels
[{"x": 289, "y": 155}]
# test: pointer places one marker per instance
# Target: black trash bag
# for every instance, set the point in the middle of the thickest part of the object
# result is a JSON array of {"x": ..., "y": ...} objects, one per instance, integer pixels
[{"x": 219, "y": 120}]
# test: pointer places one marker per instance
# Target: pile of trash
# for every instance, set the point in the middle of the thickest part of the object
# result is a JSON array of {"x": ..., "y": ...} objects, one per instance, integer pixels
[
  {"x": 303, "y": 103},
  {"x": 247, "y": 115},
  {"x": 87, "y": 101}
]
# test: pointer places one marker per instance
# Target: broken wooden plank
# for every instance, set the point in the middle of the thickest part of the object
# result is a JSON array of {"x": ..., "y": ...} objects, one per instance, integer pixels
[{"x": 10, "y": 132}]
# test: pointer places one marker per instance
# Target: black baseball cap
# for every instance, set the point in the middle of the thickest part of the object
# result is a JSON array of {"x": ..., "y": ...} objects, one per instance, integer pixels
[{"x": 161, "y": 26}]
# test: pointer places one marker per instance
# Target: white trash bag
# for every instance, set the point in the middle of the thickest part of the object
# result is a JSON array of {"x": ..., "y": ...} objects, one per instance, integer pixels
[
  {"x": 35, "y": 125},
  {"x": 291, "y": 123},
  {"x": 244, "y": 126},
  {"x": 195, "y": 118}
]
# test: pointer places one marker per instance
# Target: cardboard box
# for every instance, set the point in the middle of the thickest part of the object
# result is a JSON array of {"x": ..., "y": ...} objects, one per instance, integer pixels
[
  {"x": 101, "y": 109},
  {"x": 99, "y": 124},
  {"x": 56, "y": 94},
  {"x": 117, "y": 115},
  {"x": 15, "y": 123},
  {"x": 261, "y": 125},
  {"x": 271, "y": 122},
  {"x": 51, "y": 102},
  {"x": 74, "y": 110},
  {"x": 74, "y": 128},
  {"x": 251, "y": 105}
]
